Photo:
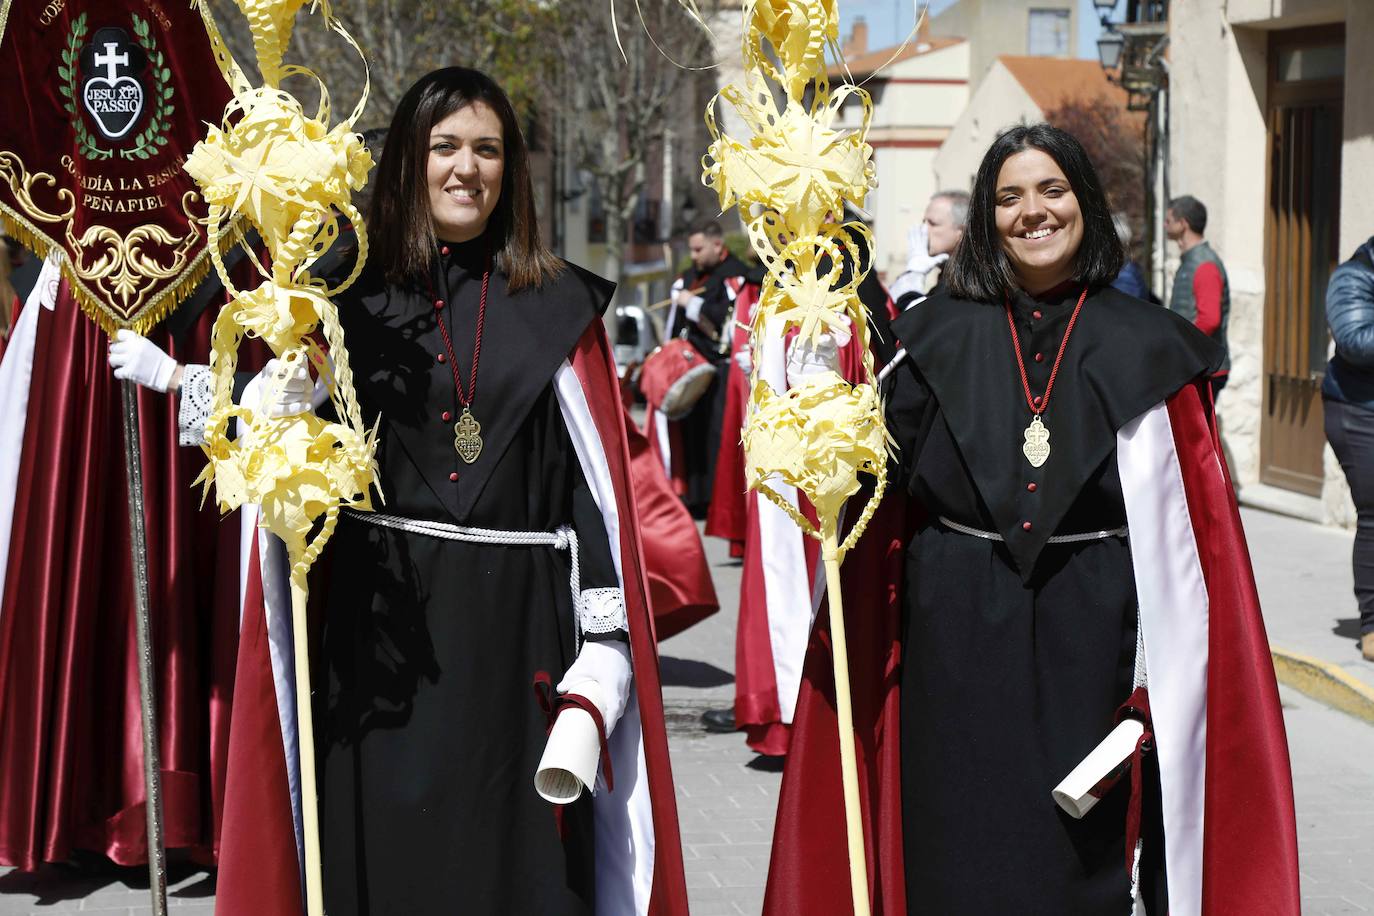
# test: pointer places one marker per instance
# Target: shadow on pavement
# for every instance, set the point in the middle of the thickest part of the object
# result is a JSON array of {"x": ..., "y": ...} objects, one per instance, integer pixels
[
  {"x": 686, "y": 672},
  {"x": 1347, "y": 628},
  {"x": 87, "y": 874}
]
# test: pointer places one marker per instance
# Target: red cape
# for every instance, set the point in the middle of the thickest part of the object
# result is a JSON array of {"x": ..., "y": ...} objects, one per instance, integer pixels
[
  {"x": 1249, "y": 844},
  {"x": 681, "y": 592}
]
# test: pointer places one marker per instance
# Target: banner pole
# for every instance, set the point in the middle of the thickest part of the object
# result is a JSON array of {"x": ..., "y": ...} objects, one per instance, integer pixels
[{"x": 147, "y": 690}]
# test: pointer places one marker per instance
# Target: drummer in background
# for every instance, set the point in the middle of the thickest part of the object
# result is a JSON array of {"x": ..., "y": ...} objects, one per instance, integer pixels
[{"x": 702, "y": 308}]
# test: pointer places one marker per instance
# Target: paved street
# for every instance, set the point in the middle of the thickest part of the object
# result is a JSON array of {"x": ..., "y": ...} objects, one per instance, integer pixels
[{"x": 726, "y": 798}]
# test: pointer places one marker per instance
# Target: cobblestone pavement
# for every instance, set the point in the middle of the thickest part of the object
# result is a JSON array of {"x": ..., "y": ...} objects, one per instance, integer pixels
[{"x": 726, "y": 794}]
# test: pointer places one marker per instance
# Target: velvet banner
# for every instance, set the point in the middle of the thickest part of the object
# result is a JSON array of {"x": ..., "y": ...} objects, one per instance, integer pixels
[
  {"x": 71, "y": 771},
  {"x": 107, "y": 98}
]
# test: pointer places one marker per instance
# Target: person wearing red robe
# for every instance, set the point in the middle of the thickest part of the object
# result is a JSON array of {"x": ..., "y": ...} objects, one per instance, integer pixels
[
  {"x": 71, "y": 773},
  {"x": 777, "y": 600},
  {"x": 703, "y": 311},
  {"x": 1018, "y": 596}
]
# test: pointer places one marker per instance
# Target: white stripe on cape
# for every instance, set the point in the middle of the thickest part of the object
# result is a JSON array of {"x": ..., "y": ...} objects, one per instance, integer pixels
[
  {"x": 1173, "y": 607},
  {"x": 16, "y": 373}
]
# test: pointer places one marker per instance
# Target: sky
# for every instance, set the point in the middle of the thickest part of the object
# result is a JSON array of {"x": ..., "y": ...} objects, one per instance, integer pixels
[{"x": 889, "y": 21}]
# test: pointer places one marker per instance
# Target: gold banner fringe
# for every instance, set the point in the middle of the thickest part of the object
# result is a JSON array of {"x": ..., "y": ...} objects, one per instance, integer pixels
[{"x": 166, "y": 302}]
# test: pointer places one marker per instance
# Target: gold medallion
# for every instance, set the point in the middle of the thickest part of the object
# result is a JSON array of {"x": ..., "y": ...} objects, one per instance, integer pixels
[
  {"x": 1037, "y": 447},
  {"x": 467, "y": 437}
]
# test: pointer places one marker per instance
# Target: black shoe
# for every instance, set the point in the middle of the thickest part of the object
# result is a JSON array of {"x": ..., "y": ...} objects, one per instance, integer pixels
[{"x": 720, "y": 721}]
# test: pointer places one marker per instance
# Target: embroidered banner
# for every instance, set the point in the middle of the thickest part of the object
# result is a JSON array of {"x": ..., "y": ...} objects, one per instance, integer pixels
[{"x": 107, "y": 98}]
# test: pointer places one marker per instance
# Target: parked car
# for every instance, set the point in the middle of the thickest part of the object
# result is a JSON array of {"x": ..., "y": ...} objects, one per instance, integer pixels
[{"x": 636, "y": 336}]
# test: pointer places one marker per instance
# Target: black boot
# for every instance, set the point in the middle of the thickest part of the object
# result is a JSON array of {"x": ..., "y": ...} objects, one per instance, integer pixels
[{"x": 720, "y": 721}]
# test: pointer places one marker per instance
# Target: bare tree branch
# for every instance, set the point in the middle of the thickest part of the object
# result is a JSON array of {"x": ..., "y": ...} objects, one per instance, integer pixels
[{"x": 620, "y": 107}]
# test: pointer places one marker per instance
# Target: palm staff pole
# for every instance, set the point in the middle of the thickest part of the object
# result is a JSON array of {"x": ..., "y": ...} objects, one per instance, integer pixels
[
  {"x": 147, "y": 685},
  {"x": 291, "y": 176},
  {"x": 844, "y": 714},
  {"x": 818, "y": 432},
  {"x": 305, "y": 722}
]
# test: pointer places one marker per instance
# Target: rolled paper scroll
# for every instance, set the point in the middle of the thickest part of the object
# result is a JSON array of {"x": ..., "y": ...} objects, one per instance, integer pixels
[
  {"x": 572, "y": 754},
  {"x": 1099, "y": 771}
]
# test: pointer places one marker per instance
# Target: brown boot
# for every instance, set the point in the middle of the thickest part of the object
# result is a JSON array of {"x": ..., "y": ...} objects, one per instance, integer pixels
[{"x": 1367, "y": 646}]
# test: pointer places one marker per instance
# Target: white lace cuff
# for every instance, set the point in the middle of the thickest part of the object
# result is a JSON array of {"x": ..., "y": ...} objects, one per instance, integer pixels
[
  {"x": 603, "y": 611},
  {"x": 196, "y": 398}
]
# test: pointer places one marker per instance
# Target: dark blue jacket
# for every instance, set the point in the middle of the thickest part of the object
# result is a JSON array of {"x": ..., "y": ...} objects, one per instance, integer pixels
[
  {"x": 1350, "y": 313},
  {"x": 1131, "y": 281}
]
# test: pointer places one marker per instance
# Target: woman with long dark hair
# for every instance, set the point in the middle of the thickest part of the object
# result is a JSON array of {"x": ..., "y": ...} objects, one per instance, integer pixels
[
  {"x": 489, "y": 725},
  {"x": 1074, "y": 558}
]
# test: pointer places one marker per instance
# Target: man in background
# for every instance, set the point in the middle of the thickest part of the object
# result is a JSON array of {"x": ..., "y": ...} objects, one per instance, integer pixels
[
  {"x": 1348, "y": 404},
  {"x": 930, "y": 243},
  {"x": 702, "y": 311},
  {"x": 1201, "y": 291}
]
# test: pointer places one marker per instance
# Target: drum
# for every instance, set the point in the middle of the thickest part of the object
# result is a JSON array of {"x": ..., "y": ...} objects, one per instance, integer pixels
[{"x": 674, "y": 378}]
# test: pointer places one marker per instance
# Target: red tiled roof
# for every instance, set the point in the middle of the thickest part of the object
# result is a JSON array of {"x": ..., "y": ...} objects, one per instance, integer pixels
[
  {"x": 865, "y": 64},
  {"x": 1052, "y": 81}
]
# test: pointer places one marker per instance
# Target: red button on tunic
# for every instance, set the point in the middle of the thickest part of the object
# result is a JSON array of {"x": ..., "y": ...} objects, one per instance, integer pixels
[
  {"x": 446, "y": 416},
  {"x": 444, "y": 250},
  {"x": 1031, "y": 488},
  {"x": 1037, "y": 314},
  {"x": 1025, "y": 526},
  {"x": 1039, "y": 357},
  {"x": 441, "y": 357},
  {"x": 1037, "y": 400},
  {"x": 454, "y": 477},
  {"x": 438, "y": 303}
]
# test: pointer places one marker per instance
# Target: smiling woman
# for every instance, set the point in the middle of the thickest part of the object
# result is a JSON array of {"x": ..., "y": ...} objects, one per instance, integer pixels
[
  {"x": 466, "y": 164},
  {"x": 507, "y": 562},
  {"x": 457, "y": 161},
  {"x": 1037, "y": 217},
  {"x": 1038, "y": 414}
]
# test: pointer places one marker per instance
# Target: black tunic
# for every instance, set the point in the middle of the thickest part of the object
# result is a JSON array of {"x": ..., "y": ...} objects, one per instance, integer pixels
[
  {"x": 701, "y": 427},
  {"x": 1017, "y": 654},
  {"x": 429, "y": 734}
]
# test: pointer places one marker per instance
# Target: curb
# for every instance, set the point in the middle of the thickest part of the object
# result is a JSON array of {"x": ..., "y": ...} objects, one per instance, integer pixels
[{"x": 1325, "y": 682}]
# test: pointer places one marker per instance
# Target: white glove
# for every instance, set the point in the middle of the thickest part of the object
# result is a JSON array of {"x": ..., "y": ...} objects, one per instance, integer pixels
[
  {"x": 280, "y": 391},
  {"x": 141, "y": 361},
  {"x": 572, "y": 756},
  {"x": 806, "y": 360},
  {"x": 744, "y": 360},
  {"x": 918, "y": 257},
  {"x": 605, "y": 666},
  {"x": 919, "y": 263}
]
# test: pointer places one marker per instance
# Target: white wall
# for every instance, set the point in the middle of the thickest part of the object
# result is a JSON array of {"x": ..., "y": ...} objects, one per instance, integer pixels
[
  {"x": 1218, "y": 148},
  {"x": 1357, "y": 153},
  {"x": 1000, "y": 102},
  {"x": 910, "y": 120},
  {"x": 905, "y": 183}
]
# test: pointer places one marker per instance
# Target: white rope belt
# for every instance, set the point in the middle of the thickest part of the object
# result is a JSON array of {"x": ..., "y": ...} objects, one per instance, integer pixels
[
  {"x": 1054, "y": 539},
  {"x": 562, "y": 538}
]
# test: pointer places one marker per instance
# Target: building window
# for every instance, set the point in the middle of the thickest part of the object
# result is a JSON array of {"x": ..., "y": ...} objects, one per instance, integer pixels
[
  {"x": 1297, "y": 65},
  {"x": 1048, "y": 33}
]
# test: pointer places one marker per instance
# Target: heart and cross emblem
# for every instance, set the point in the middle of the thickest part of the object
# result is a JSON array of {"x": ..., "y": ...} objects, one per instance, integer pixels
[
  {"x": 111, "y": 93},
  {"x": 1037, "y": 445}
]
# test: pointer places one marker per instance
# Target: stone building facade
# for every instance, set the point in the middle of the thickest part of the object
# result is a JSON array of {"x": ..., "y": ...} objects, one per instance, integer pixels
[{"x": 1270, "y": 125}]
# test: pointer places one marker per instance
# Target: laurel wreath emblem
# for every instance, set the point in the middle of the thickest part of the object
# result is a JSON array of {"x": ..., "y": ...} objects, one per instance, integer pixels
[
  {"x": 155, "y": 135},
  {"x": 71, "y": 55}
]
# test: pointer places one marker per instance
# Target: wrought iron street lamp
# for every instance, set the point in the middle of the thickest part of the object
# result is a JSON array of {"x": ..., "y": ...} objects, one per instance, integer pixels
[{"x": 1109, "y": 47}]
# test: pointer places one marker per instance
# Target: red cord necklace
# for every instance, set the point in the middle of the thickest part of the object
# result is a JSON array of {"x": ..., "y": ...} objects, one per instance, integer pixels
[
  {"x": 467, "y": 432},
  {"x": 1037, "y": 444}
]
